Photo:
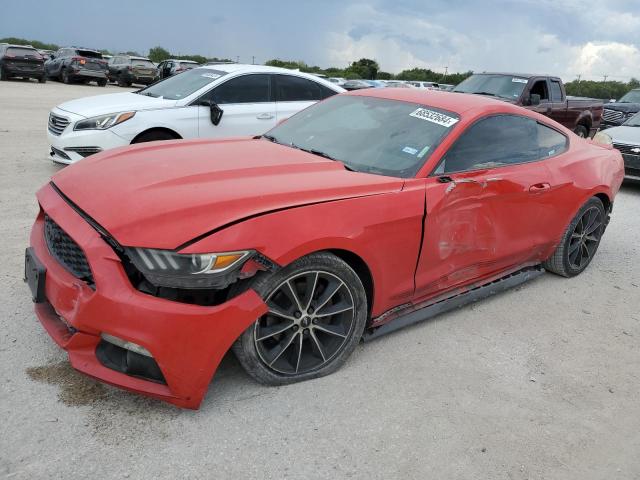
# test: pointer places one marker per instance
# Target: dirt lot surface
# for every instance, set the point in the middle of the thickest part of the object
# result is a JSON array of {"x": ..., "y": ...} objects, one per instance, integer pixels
[{"x": 541, "y": 382}]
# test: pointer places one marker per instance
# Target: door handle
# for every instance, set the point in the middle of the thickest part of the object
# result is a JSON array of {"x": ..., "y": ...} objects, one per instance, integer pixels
[
  {"x": 265, "y": 116},
  {"x": 539, "y": 187}
]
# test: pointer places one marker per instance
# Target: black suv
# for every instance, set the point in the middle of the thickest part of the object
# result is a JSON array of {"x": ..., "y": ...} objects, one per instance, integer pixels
[
  {"x": 170, "y": 67},
  {"x": 21, "y": 61},
  {"x": 616, "y": 113},
  {"x": 71, "y": 64},
  {"x": 126, "y": 70}
]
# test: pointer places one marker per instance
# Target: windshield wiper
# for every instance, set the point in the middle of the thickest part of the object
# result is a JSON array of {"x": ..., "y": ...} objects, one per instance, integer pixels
[
  {"x": 486, "y": 93},
  {"x": 271, "y": 138}
]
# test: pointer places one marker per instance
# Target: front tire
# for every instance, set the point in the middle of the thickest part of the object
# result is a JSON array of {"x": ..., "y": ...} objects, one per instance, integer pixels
[
  {"x": 317, "y": 314},
  {"x": 580, "y": 240}
]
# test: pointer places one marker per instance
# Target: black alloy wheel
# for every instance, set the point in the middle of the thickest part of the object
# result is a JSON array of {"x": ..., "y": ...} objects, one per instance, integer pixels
[{"x": 317, "y": 312}]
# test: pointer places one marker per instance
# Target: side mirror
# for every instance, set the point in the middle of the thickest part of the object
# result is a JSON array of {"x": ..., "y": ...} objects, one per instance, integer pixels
[
  {"x": 51, "y": 57},
  {"x": 216, "y": 111},
  {"x": 534, "y": 99},
  {"x": 613, "y": 100}
]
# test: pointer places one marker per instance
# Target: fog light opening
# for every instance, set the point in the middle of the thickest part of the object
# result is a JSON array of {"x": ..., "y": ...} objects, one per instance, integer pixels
[{"x": 132, "y": 347}]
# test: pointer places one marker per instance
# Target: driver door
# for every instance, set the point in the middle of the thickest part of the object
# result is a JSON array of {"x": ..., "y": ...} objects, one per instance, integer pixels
[
  {"x": 247, "y": 105},
  {"x": 488, "y": 203}
]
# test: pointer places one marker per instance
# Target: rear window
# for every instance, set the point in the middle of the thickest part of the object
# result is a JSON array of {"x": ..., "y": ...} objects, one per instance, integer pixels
[
  {"x": 22, "y": 52},
  {"x": 136, "y": 62},
  {"x": 89, "y": 53}
]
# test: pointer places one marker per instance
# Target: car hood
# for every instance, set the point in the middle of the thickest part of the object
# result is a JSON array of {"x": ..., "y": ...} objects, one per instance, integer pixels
[
  {"x": 627, "y": 135},
  {"x": 164, "y": 194},
  {"x": 113, "y": 103},
  {"x": 623, "y": 107}
]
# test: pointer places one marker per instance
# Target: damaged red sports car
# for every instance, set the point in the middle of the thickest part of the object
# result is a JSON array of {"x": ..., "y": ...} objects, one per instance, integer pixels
[{"x": 364, "y": 213}]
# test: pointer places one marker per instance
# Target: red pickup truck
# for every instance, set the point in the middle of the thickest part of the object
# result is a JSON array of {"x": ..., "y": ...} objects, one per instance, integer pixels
[{"x": 540, "y": 93}]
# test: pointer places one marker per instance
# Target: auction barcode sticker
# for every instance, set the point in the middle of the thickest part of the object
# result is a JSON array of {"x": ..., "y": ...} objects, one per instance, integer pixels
[{"x": 434, "y": 117}]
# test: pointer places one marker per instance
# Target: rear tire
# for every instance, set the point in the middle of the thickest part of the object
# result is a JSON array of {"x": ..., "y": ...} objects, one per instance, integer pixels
[
  {"x": 3, "y": 74},
  {"x": 102, "y": 83},
  {"x": 581, "y": 131},
  {"x": 580, "y": 240},
  {"x": 153, "y": 136},
  {"x": 122, "y": 82},
  {"x": 64, "y": 76},
  {"x": 317, "y": 314},
  {"x": 42, "y": 79}
]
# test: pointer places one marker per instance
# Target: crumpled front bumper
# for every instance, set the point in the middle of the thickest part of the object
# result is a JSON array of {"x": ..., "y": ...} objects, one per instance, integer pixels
[{"x": 187, "y": 341}]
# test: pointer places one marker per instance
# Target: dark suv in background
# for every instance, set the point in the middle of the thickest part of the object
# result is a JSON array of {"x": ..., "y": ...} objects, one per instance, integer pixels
[
  {"x": 126, "y": 70},
  {"x": 21, "y": 61},
  {"x": 170, "y": 67},
  {"x": 616, "y": 113},
  {"x": 71, "y": 64}
]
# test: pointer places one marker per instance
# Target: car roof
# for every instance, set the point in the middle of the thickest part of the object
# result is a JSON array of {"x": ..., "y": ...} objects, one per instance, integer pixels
[
  {"x": 246, "y": 68},
  {"x": 512, "y": 74},
  {"x": 454, "y": 102}
]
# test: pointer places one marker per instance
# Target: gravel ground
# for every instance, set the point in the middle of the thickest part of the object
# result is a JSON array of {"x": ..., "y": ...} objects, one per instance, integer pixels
[{"x": 538, "y": 382}]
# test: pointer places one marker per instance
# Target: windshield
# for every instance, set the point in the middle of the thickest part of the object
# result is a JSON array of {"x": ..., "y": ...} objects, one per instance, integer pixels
[
  {"x": 183, "y": 85},
  {"x": 631, "y": 97},
  {"x": 633, "y": 121},
  {"x": 372, "y": 135},
  {"x": 504, "y": 86}
]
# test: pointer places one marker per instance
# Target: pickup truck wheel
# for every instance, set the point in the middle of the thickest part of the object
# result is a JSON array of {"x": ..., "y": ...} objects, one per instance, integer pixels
[
  {"x": 317, "y": 313},
  {"x": 580, "y": 241},
  {"x": 581, "y": 131},
  {"x": 64, "y": 75}
]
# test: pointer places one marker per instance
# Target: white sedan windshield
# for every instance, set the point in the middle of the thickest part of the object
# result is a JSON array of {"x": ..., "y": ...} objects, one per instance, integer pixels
[{"x": 180, "y": 86}]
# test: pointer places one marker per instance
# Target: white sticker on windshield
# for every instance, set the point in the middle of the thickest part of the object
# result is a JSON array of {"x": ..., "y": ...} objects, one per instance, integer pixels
[
  {"x": 519, "y": 80},
  {"x": 410, "y": 150},
  {"x": 210, "y": 75},
  {"x": 434, "y": 117}
]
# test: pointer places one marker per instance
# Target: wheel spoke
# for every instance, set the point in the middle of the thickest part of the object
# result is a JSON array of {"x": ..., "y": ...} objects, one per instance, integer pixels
[
  {"x": 279, "y": 313},
  {"x": 311, "y": 291},
  {"x": 593, "y": 214},
  {"x": 318, "y": 345},
  {"x": 572, "y": 248},
  {"x": 575, "y": 255},
  {"x": 282, "y": 347},
  {"x": 294, "y": 296},
  {"x": 335, "y": 310},
  {"x": 330, "y": 329},
  {"x": 299, "y": 352},
  {"x": 328, "y": 296},
  {"x": 273, "y": 330},
  {"x": 593, "y": 227}
]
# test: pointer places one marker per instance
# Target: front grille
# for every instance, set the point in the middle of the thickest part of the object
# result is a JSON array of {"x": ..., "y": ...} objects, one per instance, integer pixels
[
  {"x": 84, "y": 151},
  {"x": 633, "y": 150},
  {"x": 612, "y": 116},
  {"x": 66, "y": 251},
  {"x": 57, "y": 124}
]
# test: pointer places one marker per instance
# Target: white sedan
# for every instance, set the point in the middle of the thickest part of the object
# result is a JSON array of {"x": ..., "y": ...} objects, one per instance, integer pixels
[
  {"x": 223, "y": 100},
  {"x": 626, "y": 138}
]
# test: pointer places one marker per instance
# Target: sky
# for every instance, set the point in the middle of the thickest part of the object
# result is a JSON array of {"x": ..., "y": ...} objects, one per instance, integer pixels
[{"x": 563, "y": 37}]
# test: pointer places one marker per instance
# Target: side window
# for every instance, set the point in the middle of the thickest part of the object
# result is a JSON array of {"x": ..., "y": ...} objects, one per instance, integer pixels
[
  {"x": 296, "y": 89},
  {"x": 244, "y": 89},
  {"x": 540, "y": 87},
  {"x": 556, "y": 91},
  {"x": 550, "y": 142},
  {"x": 491, "y": 142},
  {"x": 326, "y": 92}
]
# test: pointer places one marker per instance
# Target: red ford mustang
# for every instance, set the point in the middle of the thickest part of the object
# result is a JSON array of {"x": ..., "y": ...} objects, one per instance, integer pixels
[{"x": 361, "y": 214}]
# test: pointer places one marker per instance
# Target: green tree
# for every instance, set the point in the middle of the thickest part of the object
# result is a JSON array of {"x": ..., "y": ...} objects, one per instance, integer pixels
[
  {"x": 158, "y": 54},
  {"x": 384, "y": 76},
  {"x": 35, "y": 43},
  {"x": 363, "y": 68}
]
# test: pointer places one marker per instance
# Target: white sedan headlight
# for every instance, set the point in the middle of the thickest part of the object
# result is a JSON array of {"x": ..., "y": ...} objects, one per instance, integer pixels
[{"x": 104, "y": 121}]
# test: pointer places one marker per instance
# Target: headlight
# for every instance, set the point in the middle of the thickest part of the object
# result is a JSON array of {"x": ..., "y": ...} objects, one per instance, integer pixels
[
  {"x": 165, "y": 268},
  {"x": 103, "y": 122},
  {"x": 602, "y": 138}
]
